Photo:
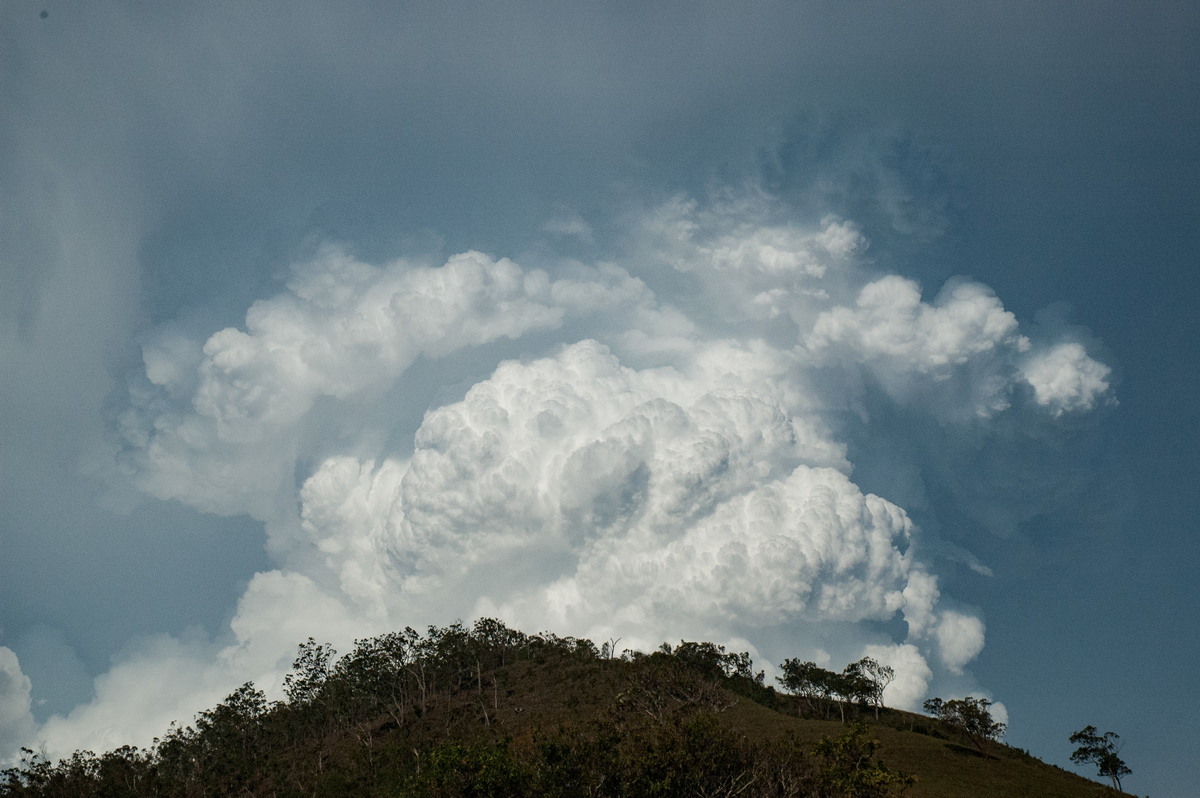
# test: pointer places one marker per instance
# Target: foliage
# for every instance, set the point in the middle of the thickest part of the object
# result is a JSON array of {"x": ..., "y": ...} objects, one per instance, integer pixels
[
  {"x": 123, "y": 771},
  {"x": 870, "y": 678},
  {"x": 486, "y": 769},
  {"x": 485, "y": 710},
  {"x": 1100, "y": 750},
  {"x": 849, "y": 770},
  {"x": 807, "y": 680},
  {"x": 713, "y": 661},
  {"x": 860, "y": 682},
  {"x": 309, "y": 671},
  {"x": 971, "y": 717}
]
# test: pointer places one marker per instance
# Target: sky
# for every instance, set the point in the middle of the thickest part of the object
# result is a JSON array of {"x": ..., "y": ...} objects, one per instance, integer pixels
[{"x": 815, "y": 329}]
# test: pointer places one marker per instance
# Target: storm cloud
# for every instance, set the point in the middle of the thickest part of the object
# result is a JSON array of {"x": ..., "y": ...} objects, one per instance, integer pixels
[
  {"x": 745, "y": 322},
  {"x": 636, "y": 465}
]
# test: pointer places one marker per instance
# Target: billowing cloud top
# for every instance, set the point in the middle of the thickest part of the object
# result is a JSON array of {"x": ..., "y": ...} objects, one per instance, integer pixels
[{"x": 619, "y": 462}]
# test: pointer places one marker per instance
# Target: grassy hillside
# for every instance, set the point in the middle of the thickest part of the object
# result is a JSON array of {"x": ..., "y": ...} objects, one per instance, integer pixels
[{"x": 487, "y": 711}]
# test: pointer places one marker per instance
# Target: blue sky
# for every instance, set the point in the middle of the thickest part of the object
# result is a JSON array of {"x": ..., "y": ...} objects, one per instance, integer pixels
[{"x": 813, "y": 329}]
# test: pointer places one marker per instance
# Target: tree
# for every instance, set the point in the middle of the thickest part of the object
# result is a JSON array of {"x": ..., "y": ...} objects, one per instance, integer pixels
[
  {"x": 851, "y": 686},
  {"x": 1100, "y": 750},
  {"x": 971, "y": 717},
  {"x": 310, "y": 669},
  {"x": 872, "y": 678},
  {"x": 803, "y": 678},
  {"x": 860, "y": 681},
  {"x": 850, "y": 771},
  {"x": 806, "y": 679}
]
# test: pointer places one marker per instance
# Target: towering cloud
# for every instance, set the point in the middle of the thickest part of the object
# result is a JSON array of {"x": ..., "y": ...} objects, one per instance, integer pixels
[
  {"x": 603, "y": 459},
  {"x": 219, "y": 425},
  {"x": 16, "y": 720}
]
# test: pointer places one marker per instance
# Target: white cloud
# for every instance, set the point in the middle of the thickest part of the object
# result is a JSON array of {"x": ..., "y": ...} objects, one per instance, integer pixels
[
  {"x": 920, "y": 596},
  {"x": 344, "y": 325},
  {"x": 959, "y": 638},
  {"x": 574, "y": 493},
  {"x": 164, "y": 679},
  {"x": 1065, "y": 378},
  {"x": 16, "y": 717},
  {"x": 342, "y": 328},
  {"x": 751, "y": 263},
  {"x": 889, "y": 322},
  {"x": 549, "y": 457},
  {"x": 652, "y": 467},
  {"x": 910, "y": 688},
  {"x": 807, "y": 546},
  {"x": 961, "y": 355},
  {"x": 346, "y": 509}
]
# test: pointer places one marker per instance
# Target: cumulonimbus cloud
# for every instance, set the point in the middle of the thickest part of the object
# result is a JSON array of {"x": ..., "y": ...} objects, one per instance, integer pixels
[
  {"x": 633, "y": 464},
  {"x": 16, "y": 719}
]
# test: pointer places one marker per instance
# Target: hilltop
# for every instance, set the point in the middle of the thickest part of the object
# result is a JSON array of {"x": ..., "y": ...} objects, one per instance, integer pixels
[{"x": 490, "y": 711}]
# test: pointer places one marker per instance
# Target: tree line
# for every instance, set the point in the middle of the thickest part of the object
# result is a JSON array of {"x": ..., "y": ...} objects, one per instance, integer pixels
[
  {"x": 859, "y": 682},
  {"x": 435, "y": 713},
  {"x": 432, "y": 714}
]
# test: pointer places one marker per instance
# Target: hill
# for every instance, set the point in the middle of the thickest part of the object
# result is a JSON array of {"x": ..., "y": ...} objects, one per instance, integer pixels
[{"x": 489, "y": 711}]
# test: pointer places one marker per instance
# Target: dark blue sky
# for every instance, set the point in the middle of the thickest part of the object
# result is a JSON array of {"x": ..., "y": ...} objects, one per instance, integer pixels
[{"x": 164, "y": 169}]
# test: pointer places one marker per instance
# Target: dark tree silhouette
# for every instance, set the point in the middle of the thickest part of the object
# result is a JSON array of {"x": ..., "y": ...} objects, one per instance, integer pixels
[{"x": 1100, "y": 750}]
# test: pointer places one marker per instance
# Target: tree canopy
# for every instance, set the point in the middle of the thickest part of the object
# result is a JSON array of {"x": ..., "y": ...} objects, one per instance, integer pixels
[
  {"x": 1100, "y": 750},
  {"x": 438, "y": 714},
  {"x": 972, "y": 717},
  {"x": 859, "y": 682}
]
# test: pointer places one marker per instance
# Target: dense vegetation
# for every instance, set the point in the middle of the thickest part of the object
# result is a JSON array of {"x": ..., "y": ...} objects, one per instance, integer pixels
[{"x": 490, "y": 711}]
